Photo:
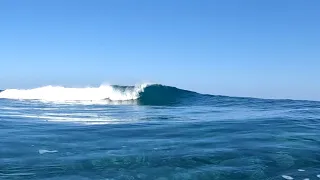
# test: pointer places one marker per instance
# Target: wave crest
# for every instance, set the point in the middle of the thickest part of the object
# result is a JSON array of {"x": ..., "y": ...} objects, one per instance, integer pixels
[{"x": 144, "y": 94}]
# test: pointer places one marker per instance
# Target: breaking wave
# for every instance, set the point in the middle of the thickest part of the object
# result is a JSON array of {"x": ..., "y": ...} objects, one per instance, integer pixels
[{"x": 144, "y": 94}]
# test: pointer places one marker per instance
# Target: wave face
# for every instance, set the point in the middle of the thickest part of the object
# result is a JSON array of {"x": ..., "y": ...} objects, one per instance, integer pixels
[
  {"x": 145, "y": 94},
  {"x": 166, "y": 95}
]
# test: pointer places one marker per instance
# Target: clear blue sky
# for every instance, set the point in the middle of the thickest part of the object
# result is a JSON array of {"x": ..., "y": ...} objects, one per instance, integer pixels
[{"x": 267, "y": 49}]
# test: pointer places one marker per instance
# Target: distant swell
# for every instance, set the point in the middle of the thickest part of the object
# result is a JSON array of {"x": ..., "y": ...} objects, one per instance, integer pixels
[{"x": 145, "y": 94}]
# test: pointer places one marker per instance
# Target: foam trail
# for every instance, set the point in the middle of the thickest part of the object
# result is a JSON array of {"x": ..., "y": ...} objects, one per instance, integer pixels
[
  {"x": 43, "y": 151},
  {"x": 64, "y": 94},
  {"x": 287, "y": 177}
]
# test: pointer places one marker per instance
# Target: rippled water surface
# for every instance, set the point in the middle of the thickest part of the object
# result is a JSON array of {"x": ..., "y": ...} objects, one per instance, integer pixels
[{"x": 220, "y": 139}]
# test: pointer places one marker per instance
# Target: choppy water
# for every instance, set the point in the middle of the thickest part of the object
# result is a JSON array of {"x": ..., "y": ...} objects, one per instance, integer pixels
[{"x": 163, "y": 134}]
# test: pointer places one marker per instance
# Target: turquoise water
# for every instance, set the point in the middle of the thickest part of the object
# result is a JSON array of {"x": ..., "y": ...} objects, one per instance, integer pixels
[{"x": 165, "y": 134}]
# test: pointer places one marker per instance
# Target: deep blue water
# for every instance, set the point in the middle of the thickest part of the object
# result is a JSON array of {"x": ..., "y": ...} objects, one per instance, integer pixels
[{"x": 166, "y": 134}]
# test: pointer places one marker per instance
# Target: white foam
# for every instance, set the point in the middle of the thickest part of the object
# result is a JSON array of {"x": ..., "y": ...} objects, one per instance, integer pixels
[
  {"x": 287, "y": 177},
  {"x": 82, "y": 120},
  {"x": 318, "y": 175},
  {"x": 301, "y": 170},
  {"x": 16, "y": 174},
  {"x": 89, "y": 119},
  {"x": 306, "y": 179},
  {"x": 64, "y": 94},
  {"x": 43, "y": 151}
]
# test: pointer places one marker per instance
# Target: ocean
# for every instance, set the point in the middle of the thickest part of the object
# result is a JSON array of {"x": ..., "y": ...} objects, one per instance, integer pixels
[{"x": 155, "y": 132}]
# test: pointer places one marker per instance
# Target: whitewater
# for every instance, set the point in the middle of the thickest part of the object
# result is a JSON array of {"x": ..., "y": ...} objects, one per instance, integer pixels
[
  {"x": 154, "y": 131},
  {"x": 65, "y": 94}
]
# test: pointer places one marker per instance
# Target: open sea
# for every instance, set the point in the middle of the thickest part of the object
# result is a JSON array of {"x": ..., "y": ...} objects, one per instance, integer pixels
[{"x": 155, "y": 132}]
